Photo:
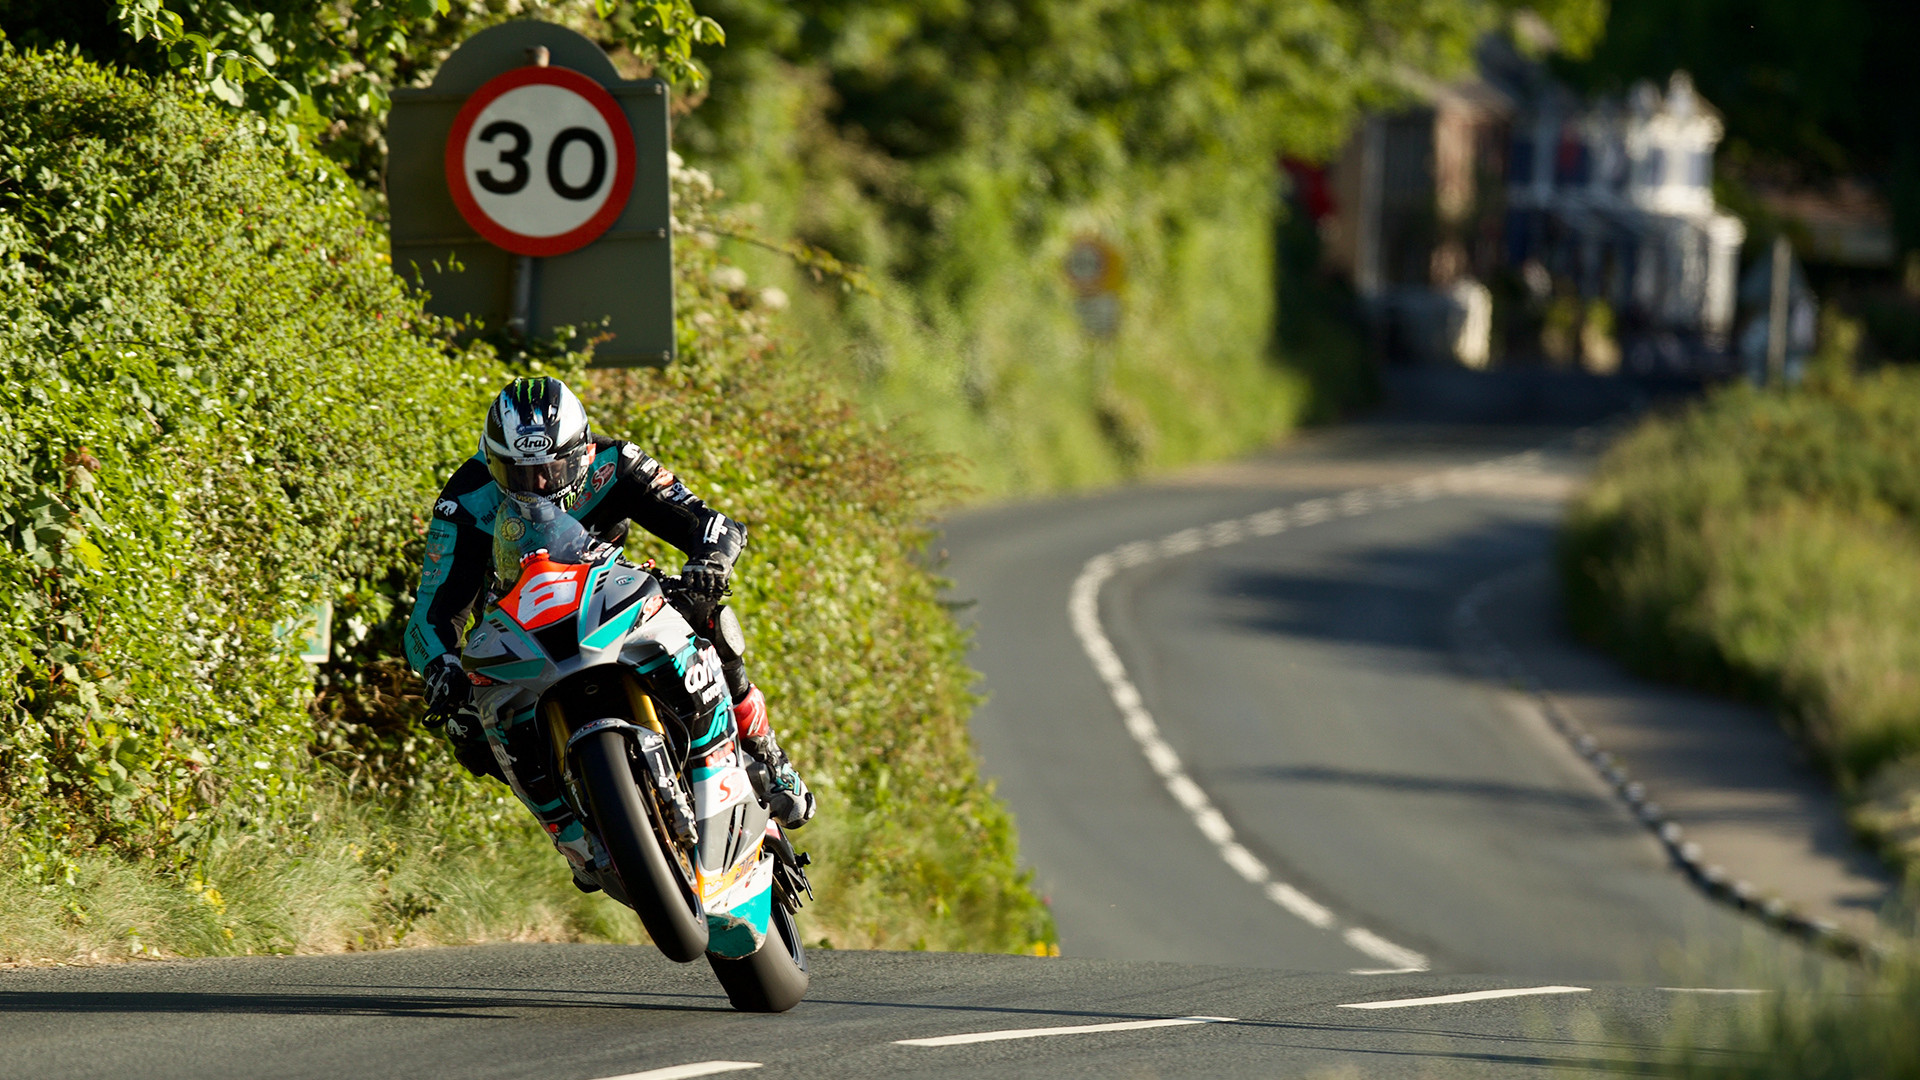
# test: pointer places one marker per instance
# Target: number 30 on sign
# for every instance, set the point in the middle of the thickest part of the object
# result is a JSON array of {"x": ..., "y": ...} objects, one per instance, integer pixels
[{"x": 540, "y": 161}]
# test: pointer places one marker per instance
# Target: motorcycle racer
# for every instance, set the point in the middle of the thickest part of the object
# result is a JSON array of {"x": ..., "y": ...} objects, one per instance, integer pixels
[{"x": 538, "y": 443}]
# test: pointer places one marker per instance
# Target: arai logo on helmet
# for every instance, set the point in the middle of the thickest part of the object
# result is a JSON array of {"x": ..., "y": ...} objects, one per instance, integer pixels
[{"x": 532, "y": 444}]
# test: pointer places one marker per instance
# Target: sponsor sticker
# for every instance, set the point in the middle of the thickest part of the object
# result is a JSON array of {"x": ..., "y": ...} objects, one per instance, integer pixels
[
  {"x": 651, "y": 607},
  {"x": 478, "y": 679},
  {"x": 513, "y": 528},
  {"x": 446, "y": 508},
  {"x": 602, "y": 476},
  {"x": 663, "y": 478},
  {"x": 532, "y": 444}
]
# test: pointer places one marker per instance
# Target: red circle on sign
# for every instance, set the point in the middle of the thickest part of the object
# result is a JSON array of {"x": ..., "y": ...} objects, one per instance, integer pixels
[{"x": 624, "y": 165}]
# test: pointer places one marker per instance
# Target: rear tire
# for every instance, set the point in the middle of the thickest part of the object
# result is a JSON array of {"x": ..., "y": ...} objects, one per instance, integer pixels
[
  {"x": 667, "y": 907},
  {"x": 774, "y": 978}
]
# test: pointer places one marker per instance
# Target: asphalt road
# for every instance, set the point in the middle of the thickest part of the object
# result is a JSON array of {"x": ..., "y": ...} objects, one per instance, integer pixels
[
  {"x": 583, "y": 1012},
  {"x": 1309, "y": 686},
  {"x": 1282, "y": 713}
]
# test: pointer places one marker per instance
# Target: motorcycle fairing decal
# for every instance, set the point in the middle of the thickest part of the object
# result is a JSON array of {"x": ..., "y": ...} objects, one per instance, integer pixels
[
  {"x": 715, "y": 791},
  {"x": 613, "y": 629},
  {"x": 546, "y": 593},
  {"x": 719, "y": 726},
  {"x": 517, "y": 669},
  {"x": 737, "y": 921},
  {"x": 498, "y": 620},
  {"x": 678, "y": 659}
]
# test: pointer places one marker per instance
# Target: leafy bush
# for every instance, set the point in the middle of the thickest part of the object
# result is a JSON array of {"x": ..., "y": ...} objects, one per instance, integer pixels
[
  {"x": 1768, "y": 545},
  {"x": 223, "y": 406},
  {"x": 197, "y": 318}
]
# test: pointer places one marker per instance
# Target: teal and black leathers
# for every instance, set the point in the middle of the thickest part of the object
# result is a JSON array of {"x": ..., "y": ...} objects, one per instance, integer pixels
[{"x": 623, "y": 485}]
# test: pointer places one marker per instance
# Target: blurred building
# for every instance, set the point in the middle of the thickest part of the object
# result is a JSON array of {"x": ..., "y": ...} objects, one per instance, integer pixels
[{"x": 1506, "y": 216}]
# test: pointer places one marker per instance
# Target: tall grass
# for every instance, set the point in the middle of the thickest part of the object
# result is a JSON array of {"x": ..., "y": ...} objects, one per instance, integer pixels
[
  {"x": 357, "y": 877},
  {"x": 1838, "y": 1028},
  {"x": 1767, "y": 545}
]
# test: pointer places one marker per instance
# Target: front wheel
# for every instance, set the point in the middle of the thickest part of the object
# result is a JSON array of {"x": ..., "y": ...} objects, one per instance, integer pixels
[
  {"x": 666, "y": 903},
  {"x": 774, "y": 978}
]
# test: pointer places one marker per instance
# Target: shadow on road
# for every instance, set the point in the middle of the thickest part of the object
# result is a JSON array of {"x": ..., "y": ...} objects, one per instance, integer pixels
[
  {"x": 339, "y": 1004},
  {"x": 1396, "y": 596},
  {"x": 1491, "y": 790}
]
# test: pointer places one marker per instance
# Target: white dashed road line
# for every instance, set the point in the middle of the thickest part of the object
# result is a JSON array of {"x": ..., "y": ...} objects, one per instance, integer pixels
[
  {"x": 1475, "y": 995},
  {"x": 687, "y": 1072},
  {"x": 1073, "y": 1029},
  {"x": 1083, "y": 606}
]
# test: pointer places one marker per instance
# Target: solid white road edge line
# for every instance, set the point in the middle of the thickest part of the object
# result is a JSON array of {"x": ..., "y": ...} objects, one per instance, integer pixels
[
  {"x": 1475, "y": 995},
  {"x": 1075, "y": 1029},
  {"x": 1083, "y": 607},
  {"x": 686, "y": 1072}
]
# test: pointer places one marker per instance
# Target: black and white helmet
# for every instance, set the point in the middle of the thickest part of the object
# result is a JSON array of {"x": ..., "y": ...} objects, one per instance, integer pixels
[{"x": 538, "y": 441}]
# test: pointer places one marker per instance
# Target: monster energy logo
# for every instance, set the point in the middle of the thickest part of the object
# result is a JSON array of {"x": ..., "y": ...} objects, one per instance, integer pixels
[{"x": 529, "y": 390}]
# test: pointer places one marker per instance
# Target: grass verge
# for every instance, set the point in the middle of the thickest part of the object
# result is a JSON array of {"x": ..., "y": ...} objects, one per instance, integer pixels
[{"x": 1767, "y": 545}]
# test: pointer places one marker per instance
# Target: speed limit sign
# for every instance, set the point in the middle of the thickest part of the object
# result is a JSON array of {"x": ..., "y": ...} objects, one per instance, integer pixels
[{"x": 540, "y": 161}]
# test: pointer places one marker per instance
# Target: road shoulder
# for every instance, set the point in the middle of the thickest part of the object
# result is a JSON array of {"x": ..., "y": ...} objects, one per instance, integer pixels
[{"x": 1723, "y": 771}]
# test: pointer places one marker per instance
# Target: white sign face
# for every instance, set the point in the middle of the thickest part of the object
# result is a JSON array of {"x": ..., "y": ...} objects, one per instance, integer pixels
[{"x": 540, "y": 161}]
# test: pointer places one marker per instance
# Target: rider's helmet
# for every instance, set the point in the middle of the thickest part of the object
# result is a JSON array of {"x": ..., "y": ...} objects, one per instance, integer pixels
[{"x": 537, "y": 441}]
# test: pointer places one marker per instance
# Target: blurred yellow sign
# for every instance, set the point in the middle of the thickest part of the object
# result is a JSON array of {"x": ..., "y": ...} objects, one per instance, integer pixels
[{"x": 1096, "y": 272}]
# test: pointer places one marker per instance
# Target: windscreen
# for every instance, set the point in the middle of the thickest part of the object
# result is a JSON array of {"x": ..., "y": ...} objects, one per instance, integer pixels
[{"x": 524, "y": 526}]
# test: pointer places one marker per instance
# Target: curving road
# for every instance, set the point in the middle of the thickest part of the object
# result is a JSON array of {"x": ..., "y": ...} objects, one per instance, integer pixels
[{"x": 1309, "y": 685}]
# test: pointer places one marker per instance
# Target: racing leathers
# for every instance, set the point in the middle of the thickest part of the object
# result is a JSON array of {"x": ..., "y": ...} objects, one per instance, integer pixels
[{"x": 624, "y": 484}]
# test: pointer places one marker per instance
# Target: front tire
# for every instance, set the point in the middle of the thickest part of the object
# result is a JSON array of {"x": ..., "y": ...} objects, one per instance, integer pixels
[
  {"x": 666, "y": 905},
  {"x": 774, "y": 978}
]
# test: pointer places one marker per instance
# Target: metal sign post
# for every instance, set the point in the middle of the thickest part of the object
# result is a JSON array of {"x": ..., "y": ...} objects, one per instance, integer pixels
[{"x": 528, "y": 187}]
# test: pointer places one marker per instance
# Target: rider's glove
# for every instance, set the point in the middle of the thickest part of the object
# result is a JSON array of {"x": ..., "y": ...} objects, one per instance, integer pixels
[
  {"x": 447, "y": 687},
  {"x": 450, "y": 705},
  {"x": 470, "y": 745},
  {"x": 704, "y": 581}
]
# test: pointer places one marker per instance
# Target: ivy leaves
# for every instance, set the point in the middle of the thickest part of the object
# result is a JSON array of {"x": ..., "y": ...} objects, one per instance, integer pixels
[{"x": 318, "y": 64}]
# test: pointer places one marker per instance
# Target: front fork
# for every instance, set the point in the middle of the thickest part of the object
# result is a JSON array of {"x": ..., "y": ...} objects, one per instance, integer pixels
[{"x": 650, "y": 745}]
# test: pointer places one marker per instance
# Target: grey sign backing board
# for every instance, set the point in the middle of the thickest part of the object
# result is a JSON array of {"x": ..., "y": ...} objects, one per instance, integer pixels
[{"x": 624, "y": 277}]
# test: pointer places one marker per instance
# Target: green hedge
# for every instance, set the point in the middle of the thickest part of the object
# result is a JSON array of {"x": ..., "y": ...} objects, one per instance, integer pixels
[
  {"x": 1768, "y": 545},
  {"x": 222, "y": 404},
  {"x": 219, "y": 398}
]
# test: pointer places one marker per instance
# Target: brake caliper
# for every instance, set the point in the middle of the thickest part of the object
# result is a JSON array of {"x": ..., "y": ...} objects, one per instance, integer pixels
[{"x": 666, "y": 780}]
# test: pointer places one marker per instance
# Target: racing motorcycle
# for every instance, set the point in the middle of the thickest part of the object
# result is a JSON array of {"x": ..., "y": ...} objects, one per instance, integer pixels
[{"x": 583, "y": 638}]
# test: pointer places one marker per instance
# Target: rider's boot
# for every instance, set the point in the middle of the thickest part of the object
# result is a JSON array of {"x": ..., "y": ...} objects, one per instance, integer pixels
[
  {"x": 787, "y": 796},
  {"x": 584, "y": 854},
  {"x": 539, "y": 790}
]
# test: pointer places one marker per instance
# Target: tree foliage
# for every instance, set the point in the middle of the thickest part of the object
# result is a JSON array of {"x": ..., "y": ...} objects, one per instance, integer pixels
[
  {"x": 1809, "y": 91},
  {"x": 328, "y": 69},
  {"x": 1087, "y": 88}
]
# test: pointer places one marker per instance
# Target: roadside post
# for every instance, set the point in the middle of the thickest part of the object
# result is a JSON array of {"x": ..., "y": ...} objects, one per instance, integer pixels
[
  {"x": 1779, "y": 296},
  {"x": 528, "y": 189}
]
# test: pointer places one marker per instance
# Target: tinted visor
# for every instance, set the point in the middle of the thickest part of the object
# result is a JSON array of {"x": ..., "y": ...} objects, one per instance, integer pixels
[{"x": 551, "y": 479}]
